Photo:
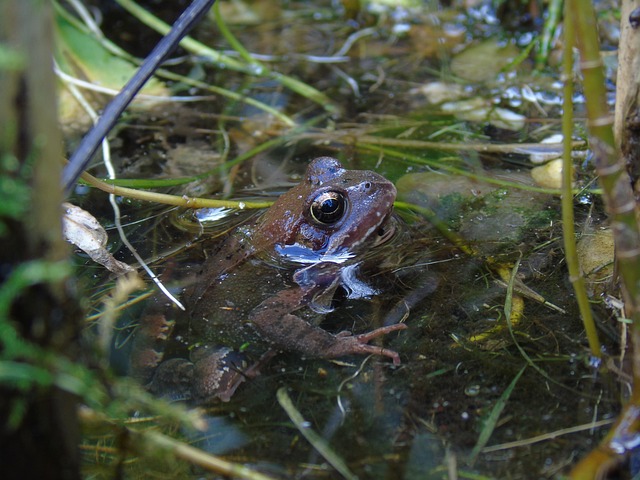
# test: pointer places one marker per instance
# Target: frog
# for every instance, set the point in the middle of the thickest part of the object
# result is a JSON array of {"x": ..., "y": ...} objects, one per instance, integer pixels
[{"x": 270, "y": 285}]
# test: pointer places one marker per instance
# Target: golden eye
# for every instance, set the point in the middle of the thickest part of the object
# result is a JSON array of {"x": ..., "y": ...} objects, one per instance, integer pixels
[{"x": 328, "y": 207}]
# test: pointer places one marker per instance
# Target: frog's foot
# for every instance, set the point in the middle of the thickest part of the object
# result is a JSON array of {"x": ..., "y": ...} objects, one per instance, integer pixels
[
  {"x": 172, "y": 380},
  {"x": 347, "y": 344},
  {"x": 218, "y": 373}
]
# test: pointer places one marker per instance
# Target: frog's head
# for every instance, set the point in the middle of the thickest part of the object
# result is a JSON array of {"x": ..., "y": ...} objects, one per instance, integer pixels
[{"x": 333, "y": 211}]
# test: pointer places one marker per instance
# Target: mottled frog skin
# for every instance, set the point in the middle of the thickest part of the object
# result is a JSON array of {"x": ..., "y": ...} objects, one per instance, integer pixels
[{"x": 270, "y": 285}]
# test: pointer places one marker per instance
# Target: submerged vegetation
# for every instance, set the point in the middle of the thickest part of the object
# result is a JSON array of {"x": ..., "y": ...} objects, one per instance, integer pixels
[{"x": 514, "y": 360}]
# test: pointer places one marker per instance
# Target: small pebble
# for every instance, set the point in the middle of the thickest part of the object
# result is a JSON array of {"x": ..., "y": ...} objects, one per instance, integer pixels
[{"x": 548, "y": 175}]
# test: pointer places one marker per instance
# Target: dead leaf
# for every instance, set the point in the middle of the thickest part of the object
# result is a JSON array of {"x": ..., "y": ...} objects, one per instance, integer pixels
[{"x": 81, "y": 229}]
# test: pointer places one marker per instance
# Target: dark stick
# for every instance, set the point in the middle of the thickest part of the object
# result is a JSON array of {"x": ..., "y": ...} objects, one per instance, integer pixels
[{"x": 89, "y": 144}]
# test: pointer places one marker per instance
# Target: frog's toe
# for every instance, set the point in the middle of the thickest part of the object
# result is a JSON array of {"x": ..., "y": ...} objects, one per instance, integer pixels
[
  {"x": 355, "y": 346},
  {"x": 385, "y": 352},
  {"x": 365, "y": 338},
  {"x": 359, "y": 344},
  {"x": 378, "y": 332}
]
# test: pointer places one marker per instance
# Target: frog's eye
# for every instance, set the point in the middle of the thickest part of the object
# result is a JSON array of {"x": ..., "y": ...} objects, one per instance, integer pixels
[{"x": 328, "y": 207}]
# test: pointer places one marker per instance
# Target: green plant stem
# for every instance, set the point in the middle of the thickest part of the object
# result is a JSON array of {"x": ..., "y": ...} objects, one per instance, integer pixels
[
  {"x": 621, "y": 206},
  {"x": 568, "y": 229},
  {"x": 198, "y": 48},
  {"x": 550, "y": 25},
  {"x": 177, "y": 200},
  {"x": 614, "y": 180},
  {"x": 232, "y": 40}
]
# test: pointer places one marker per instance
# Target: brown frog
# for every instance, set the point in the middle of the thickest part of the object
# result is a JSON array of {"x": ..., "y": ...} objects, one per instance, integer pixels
[{"x": 270, "y": 285}]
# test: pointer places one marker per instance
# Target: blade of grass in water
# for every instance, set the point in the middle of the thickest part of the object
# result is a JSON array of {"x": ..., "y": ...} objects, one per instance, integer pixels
[
  {"x": 490, "y": 422},
  {"x": 312, "y": 437},
  {"x": 197, "y": 456}
]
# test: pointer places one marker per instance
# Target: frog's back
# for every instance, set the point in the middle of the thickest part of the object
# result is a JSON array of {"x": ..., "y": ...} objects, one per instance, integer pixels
[{"x": 220, "y": 314}]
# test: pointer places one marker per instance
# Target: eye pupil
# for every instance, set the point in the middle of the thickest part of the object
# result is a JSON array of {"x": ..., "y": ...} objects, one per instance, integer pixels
[{"x": 328, "y": 207}]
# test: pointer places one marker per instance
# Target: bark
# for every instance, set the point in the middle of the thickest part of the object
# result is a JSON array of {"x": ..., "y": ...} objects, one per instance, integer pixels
[
  {"x": 627, "y": 116},
  {"x": 39, "y": 434}
]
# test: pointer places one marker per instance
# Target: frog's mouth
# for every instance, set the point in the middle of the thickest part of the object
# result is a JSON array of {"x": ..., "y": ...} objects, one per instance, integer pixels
[
  {"x": 378, "y": 234},
  {"x": 386, "y": 230}
]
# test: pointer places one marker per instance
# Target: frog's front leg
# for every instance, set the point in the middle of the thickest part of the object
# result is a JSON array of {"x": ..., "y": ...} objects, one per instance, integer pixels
[{"x": 272, "y": 318}]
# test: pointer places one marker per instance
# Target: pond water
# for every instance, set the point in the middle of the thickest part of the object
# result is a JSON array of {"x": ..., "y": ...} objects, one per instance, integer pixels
[{"x": 446, "y": 103}]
